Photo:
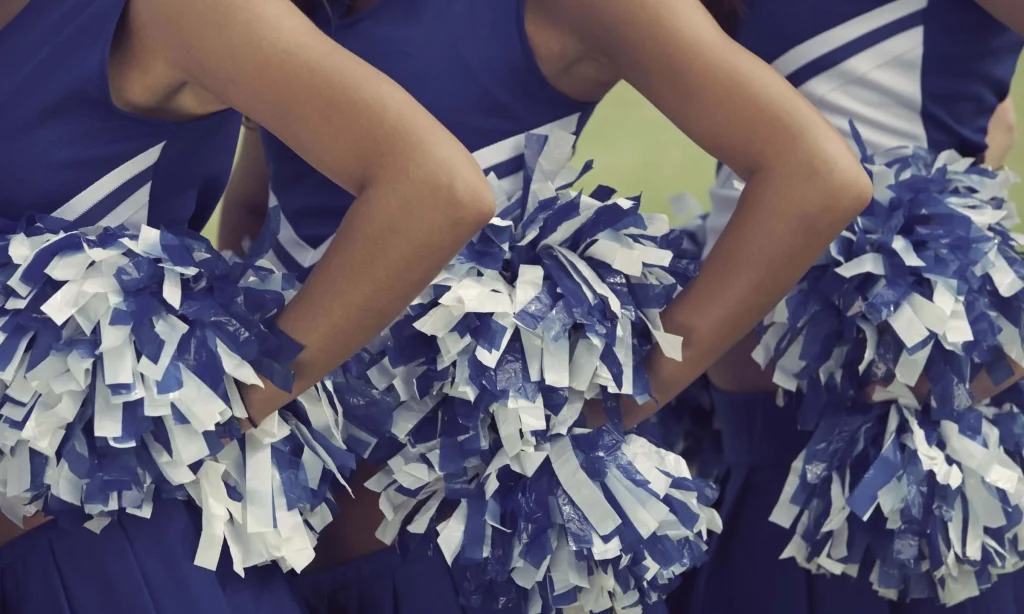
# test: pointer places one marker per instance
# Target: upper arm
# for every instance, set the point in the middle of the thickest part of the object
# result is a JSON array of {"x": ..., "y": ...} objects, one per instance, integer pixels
[
  {"x": 269, "y": 61},
  {"x": 1010, "y": 12},
  {"x": 726, "y": 99}
]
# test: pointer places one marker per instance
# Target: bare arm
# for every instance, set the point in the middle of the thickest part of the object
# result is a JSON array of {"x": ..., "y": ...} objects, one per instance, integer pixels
[
  {"x": 421, "y": 196},
  {"x": 244, "y": 208},
  {"x": 1010, "y": 12},
  {"x": 804, "y": 184}
]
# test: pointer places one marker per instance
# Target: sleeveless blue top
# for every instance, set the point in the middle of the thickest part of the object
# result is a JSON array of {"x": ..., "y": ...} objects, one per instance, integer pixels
[
  {"x": 908, "y": 72},
  {"x": 67, "y": 149},
  {"x": 927, "y": 73},
  {"x": 468, "y": 62}
]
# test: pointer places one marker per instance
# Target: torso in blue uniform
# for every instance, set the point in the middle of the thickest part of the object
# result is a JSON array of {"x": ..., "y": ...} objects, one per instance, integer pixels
[
  {"x": 924, "y": 73},
  {"x": 907, "y": 72},
  {"x": 65, "y": 148},
  {"x": 468, "y": 62}
]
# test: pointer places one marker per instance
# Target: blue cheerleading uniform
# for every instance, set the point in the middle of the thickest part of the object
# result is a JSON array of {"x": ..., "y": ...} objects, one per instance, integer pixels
[
  {"x": 925, "y": 73},
  {"x": 880, "y": 500},
  {"x": 469, "y": 398},
  {"x": 83, "y": 181}
]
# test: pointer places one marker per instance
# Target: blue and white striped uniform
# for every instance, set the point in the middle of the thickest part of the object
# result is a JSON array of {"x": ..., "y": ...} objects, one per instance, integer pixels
[
  {"x": 927, "y": 73},
  {"x": 910, "y": 74}
]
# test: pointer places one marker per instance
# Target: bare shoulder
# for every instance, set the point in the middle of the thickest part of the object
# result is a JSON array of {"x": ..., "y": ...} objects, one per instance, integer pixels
[
  {"x": 594, "y": 19},
  {"x": 145, "y": 78},
  {"x": 187, "y": 38},
  {"x": 197, "y": 56}
]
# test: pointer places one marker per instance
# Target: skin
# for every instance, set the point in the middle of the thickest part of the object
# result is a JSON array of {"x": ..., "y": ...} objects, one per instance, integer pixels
[
  {"x": 420, "y": 194},
  {"x": 674, "y": 53},
  {"x": 567, "y": 61},
  {"x": 9, "y": 9},
  {"x": 1002, "y": 134},
  {"x": 1010, "y": 12}
]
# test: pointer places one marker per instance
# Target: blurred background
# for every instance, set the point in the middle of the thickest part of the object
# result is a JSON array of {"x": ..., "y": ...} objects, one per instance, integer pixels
[{"x": 638, "y": 151}]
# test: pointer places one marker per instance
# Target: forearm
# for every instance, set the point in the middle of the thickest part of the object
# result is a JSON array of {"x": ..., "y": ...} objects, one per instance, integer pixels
[
  {"x": 761, "y": 255},
  {"x": 384, "y": 254}
]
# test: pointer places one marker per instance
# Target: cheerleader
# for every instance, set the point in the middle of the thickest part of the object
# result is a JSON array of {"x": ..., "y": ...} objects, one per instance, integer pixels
[
  {"x": 472, "y": 397},
  {"x": 124, "y": 332},
  {"x": 866, "y": 454}
]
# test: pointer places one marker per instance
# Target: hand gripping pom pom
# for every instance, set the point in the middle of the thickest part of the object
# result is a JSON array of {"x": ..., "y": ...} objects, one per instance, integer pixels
[
  {"x": 483, "y": 380},
  {"x": 120, "y": 353},
  {"x": 926, "y": 282}
]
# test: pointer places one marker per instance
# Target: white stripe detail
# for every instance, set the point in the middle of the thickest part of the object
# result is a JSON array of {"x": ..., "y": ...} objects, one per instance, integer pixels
[
  {"x": 515, "y": 146},
  {"x": 138, "y": 219},
  {"x": 725, "y": 197},
  {"x": 126, "y": 212},
  {"x": 274, "y": 261},
  {"x": 512, "y": 185},
  {"x": 865, "y": 62},
  {"x": 826, "y": 42},
  {"x": 292, "y": 243},
  {"x": 880, "y": 89},
  {"x": 85, "y": 201}
]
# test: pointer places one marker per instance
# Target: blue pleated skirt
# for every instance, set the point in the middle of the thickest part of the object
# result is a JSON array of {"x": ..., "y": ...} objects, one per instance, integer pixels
[
  {"x": 744, "y": 574},
  {"x": 410, "y": 578},
  {"x": 397, "y": 580},
  {"x": 133, "y": 566}
]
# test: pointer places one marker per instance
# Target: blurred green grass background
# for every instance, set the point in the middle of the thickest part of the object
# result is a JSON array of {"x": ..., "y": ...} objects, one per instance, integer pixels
[
  {"x": 638, "y": 151},
  {"x": 635, "y": 149}
]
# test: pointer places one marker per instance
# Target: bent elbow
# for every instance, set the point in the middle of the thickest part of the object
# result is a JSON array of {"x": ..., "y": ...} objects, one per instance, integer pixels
[
  {"x": 855, "y": 189},
  {"x": 475, "y": 201},
  {"x": 842, "y": 182},
  {"x": 466, "y": 195}
]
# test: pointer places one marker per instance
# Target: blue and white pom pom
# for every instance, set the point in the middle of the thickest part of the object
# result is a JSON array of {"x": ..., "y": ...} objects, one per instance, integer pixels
[
  {"x": 555, "y": 302},
  {"x": 120, "y": 354},
  {"x": 927, "y": 282}
]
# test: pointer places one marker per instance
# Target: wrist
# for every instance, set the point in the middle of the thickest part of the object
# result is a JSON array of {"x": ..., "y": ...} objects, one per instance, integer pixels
[
  {"x": 633, "y": 412},
  {"x": 260, "y": 402}
]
